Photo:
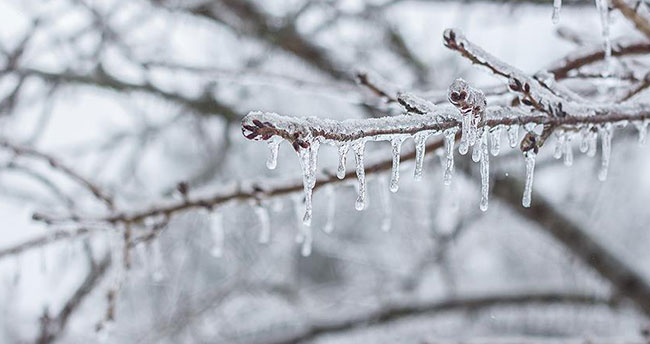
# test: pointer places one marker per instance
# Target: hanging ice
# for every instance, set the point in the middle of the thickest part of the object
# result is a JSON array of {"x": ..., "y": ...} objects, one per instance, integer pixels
[
  {"x": 331, "y": 209},
  {"x": 568, "y": 151},
  {"x": 529, "y": 157},
  {"x": 592, "y": 140},
  {"x": 476, "y": 153},
  {"x": 343, "y": 153},
  {"x": 557, "y": 6},
  {"x": 495, "y": 141},
  {"x": 513, "y": 135},
  {"x": 463, "y": 147},
  {"x": 420, "y": 140},
  {"x": 606, "y": 140},
  {"x": 584, "y": 143},
  {"x": 560, "y": 140},
  {"x": 265, "y": 223},
  {"x": 642, "y": 127},
  {"x": 450, "y": 138},
  {"x": 216, "y": 229},
  {"x": 396, "y": 144},
  {"x": 274, "y": 145},
  {"x": 603, "y": 9},
  {"x": 359, "y": 149},
  {"x": 387, "y": 210},
  {"x": 485, "y": 169},
  {"x": 308, "y": 162}
]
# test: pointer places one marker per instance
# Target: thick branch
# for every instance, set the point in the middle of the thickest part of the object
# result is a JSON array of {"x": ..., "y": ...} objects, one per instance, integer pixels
[
  {"x": 567, "y": 232},
  {"x": 397, "y": 312}
]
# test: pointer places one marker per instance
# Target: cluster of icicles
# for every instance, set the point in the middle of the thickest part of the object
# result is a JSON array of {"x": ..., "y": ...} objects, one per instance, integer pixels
[{"x": 484, "y": 141}]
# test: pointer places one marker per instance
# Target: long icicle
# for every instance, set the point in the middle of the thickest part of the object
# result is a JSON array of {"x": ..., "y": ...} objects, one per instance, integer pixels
[
  {"x": 359, "y": 149},
  {"x": 529, "y": 157},
  {"x": 420, "y": 141},
  {"x": 396, "y": 144},
  {"x": 343, "y": 153},
  {"x": 485, "y": 169},
  {"x": 606, "y": 140},
  {"x": 450, "y": 138}
]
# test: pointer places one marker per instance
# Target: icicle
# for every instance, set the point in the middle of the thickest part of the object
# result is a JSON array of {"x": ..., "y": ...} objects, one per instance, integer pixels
[
  {"x": 274, "y": 145},
  {"x": 495, "y": 141},
  {"x": 603, "y": 9},
  {"x": 265, "y": 223},
  {"x": 529, "y": 156},
  {"x": 476, "y": 153},
  {"x": 606, "y": 139},
  {"x": 568, "y": 151},
  {"x": 396, "y": 143},
  {"x": 450, "y": 137},
  {"x": 331, "y": 209},
  {"x": 307, "y": 241},
  {"x": 485, "y": 169},
  {"x": 343, "y": 153},
  {"x": 592, "y": 141},
  {"x": 308, "y": 161},
  {"x": 387, "y": 211},
  {"x": 513, "y": 135},
  {"x": 420, "y": 140},
  {"x": 559, "y": 144},
  {"x": 359, "y": 148},
  {"x": 463, "y": 147},
  {"x": 557, "y": 6},
  {"x": 216, "y": 229},
  {"x": 642, "y": 127}
]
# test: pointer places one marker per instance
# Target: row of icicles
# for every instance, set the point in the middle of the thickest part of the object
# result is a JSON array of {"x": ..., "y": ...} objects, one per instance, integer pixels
[{"x": 485, "y": 142}]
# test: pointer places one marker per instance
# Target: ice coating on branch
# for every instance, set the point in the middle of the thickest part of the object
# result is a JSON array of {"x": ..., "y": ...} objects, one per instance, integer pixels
[
  {"x": 216, "y": 229},
  {"x": 274, "y": 145},
  {"x": 472, "y": 103},
  {"x": 359, "y": 149},
  {"x": 606, "y": 140},
  {"x": 513, "y": 135},
  {"x": 603, "y": 10},
  {"x": 414, "y": 104},
  {"x": 495, "y": 141},
  {"x": 485, "y": 169},
  {"x": 557, "y": 6},
  {"x": 343, "y": 153},
  {"x": 331, "y": 209},
  {"x": 642, "y": 127},
  {"x": 568, "y": 151},
  {"x": 396, "y": 145},
  {"x": 450, "y": 138},
  {"x": 386, "y": 207},
  {"x": 420, "y": 146},
  {"x": 529, "y": 158},
  {"x": 265, "y": 224}
]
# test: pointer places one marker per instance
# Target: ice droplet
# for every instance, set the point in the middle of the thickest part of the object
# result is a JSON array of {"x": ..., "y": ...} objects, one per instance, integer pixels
[
  {"x": 606, "y": 140},
  {"x": 359, "y": 149},
  {"x": 217, "y": 232},
  {"x": 529, "y": 157},
  {"x": 396, "y": 144},
  {"x": 307, "y": 241},
  {"x": 485, "y": 169},
  {"x": 420, "y": 141},
  {"x": 274, "y": 145},
  {"x": 513, "y": 135},
  {"x": 450, "y": 138}
]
